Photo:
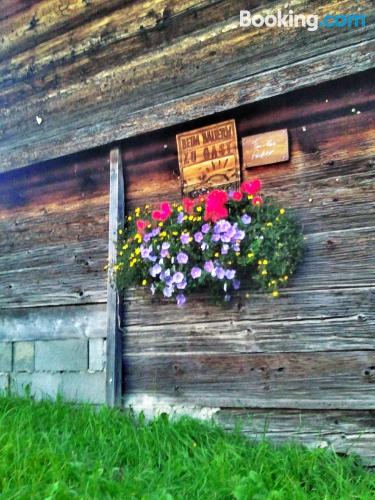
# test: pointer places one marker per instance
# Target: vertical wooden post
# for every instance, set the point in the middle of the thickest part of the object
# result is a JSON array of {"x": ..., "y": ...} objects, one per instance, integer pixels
[{"x": 114, "y": 300}]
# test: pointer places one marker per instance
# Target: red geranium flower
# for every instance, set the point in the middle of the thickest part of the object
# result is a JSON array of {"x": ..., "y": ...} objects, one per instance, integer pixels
[
  {"x": 164, "y": 212},
  {"x": 237, "y": 196},
  {"x": 188, "y": 204},
  {"x": 215, "y": 206},
  {"x": 257, "y": 200},
  {"x": 156, "y": 215},
  {"x": 141, "y": 225},
  {"x": 251, "y": 187}
]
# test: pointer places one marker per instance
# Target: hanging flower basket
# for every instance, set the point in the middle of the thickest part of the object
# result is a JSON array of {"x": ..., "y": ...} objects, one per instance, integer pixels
[{"x": 218, "y": 242}]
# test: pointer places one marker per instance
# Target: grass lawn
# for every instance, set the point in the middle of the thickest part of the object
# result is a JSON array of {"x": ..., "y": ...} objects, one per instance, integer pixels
[{"x": 61, "y": 451}]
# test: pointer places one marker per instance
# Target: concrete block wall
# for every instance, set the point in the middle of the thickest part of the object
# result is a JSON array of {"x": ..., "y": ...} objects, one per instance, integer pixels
[{"x": 74, "y": 368}]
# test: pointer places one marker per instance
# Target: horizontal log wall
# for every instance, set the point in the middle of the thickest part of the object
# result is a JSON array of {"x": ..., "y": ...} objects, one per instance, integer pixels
[
  {"x": 79, "y": 74},
  {"x": 308, "y": 357}
]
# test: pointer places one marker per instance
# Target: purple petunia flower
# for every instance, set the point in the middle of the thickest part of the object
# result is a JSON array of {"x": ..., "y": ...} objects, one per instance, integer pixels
[
  {"x": 185, "y": 238},
  {"x": 181, "y": 299},
  {"x": 155, "y": 270},
  {"x": 205, "y": 228},
  {"x": 145, "y": 251},
  {"x": 216, "y": 237},
  {"x": 246, "y": 219},
  {"x": 209, "y": 266},
  {"x": 240, "y": 235},
  {"x": 165, "y": 275},
  {"x": 155, "y": 232},
  {"x": 178, "y": 277},
  {"x": 228, "y": 235},
  {"x": 164, "y": 249},
  {"x": 182, "y": 285},
  {"x": 168, "y": 291},
  {"x": 222, "y": 226},
  {"x": 224, "y": 249},
  {"x": 220, "y": 273},
  {"x": 198, "y": 237},
  {"x": 196, "y": 272},
  {"x": 180, "y": 217},
  {"x": 182, "y": 258},
  {"x": 236, "y": 284},
  {"x": 230, "y": 274},
  {"x": 147, "y": 237}
]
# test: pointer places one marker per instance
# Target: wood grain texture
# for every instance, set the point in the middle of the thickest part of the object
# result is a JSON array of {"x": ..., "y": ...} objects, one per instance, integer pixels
[
  {"x": 335, "y": 320},
  {"x": 315, "y": 380},
  {"x": 46, "y": 323},
  {"x": 114, "y": 298},
  {"x": 131, "y": 74},
  {"x": 343, "y": 431},
  {"x": 54, "y": 232}
]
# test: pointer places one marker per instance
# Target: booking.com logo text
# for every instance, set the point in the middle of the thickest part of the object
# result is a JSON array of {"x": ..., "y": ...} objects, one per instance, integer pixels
[{"x": 309, "y": 21}]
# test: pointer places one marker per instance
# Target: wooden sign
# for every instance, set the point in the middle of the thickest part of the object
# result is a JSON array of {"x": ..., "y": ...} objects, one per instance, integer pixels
[
  {"x": 208, "y": 157},
  {"x": 264, "y": 149}
]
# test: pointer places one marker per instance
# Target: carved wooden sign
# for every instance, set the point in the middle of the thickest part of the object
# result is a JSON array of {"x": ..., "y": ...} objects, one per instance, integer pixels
[
  {"x": 208, "y": 157},
  {"x": 264, "y": 149}
]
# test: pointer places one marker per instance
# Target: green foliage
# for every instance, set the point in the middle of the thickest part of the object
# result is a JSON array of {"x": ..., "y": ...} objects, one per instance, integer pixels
[{"x": 61, "y": 451}]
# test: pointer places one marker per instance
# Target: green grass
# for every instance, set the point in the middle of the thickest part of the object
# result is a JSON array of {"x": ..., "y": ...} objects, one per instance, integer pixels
[{"x": 61, "y": 451}]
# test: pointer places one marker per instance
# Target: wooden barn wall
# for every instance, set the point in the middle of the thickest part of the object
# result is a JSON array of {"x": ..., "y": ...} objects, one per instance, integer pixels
[
  {"x": 53, "y": 248},
  {"x": 79, "y": 74},
  {"x": 307, "y": 360}
]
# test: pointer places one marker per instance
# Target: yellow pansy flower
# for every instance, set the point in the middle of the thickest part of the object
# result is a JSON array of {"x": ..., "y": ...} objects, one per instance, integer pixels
[
  {"x": 264, "y": 272},
  {"x": 144, "y": 282},
  {"x": 275, "y": 293},
  {"x": 199, "y": 209},
  {"x": 282, "y": 211},
  {"x": 265, "y": 262}
]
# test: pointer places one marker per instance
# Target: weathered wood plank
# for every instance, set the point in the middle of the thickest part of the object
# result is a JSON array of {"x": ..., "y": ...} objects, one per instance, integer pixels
[
  {"x": 142, "y": 311},
  {"x": 11, "y": 7},
  {"x": 334, "y": 380},
  {"x": 297, "y": 322},
  {"x": 347, "y": 432},
  {"x": 68, "y": 224},
  {"x": 295, "y": 69},
  {"x": 54, "y": 231},
  {"x": 54, "y": 275},
  {"x": 44, "y": 19},
  {"x": 114, "y": 299},
  {"x": 46, "y": 323}
]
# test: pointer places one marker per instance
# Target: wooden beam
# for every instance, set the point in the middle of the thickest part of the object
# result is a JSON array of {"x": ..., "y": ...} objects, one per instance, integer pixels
[{"x": 114, "y": 301}]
